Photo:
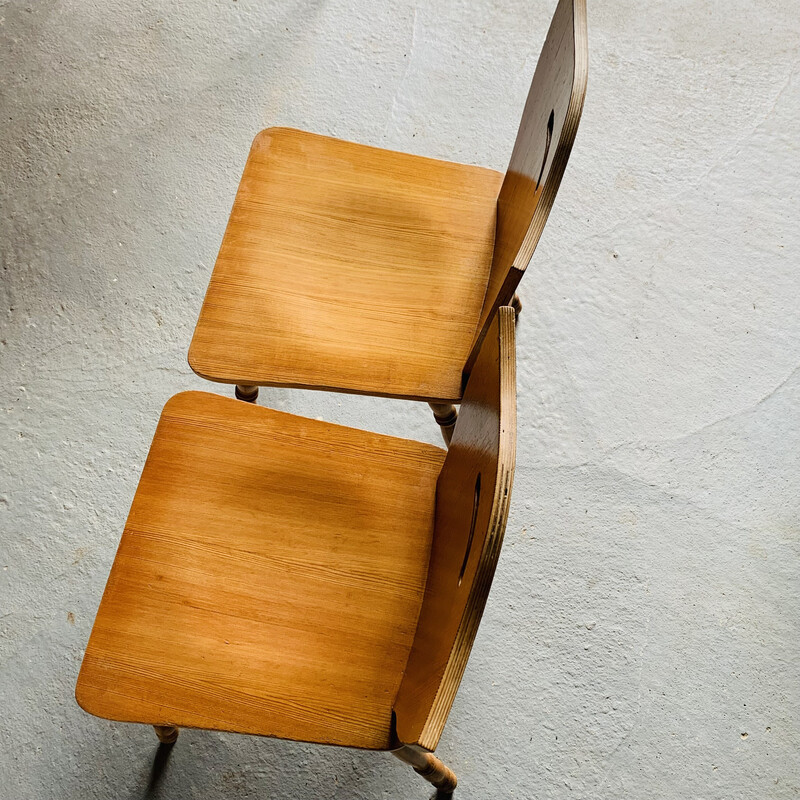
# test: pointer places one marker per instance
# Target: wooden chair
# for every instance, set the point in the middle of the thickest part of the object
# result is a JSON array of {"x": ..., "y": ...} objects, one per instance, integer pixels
[
  {"x": 355, "y": 269},
  {"x": 292, "y": 578}
]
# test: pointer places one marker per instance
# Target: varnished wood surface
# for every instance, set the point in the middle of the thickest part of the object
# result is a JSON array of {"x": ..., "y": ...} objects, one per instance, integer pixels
[
  {"x": 467, "y": 538},
  {"x": 291, "y": 578},
  {"x": 541, "y": 151},
  {"x": 355, "y": 269},
  {"x": 269, "y": 577},
  {"x": 348, "y": 268}
]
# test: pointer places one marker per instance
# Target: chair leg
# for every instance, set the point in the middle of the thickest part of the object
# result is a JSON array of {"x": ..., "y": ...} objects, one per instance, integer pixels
[
  {"x": 516, "y": 304},
  {"x": 247, "y": 393},
  {"x": 430, "y": 767},
  {"x": 446, "y": 415},
  {"x": 167, "y": 734}
]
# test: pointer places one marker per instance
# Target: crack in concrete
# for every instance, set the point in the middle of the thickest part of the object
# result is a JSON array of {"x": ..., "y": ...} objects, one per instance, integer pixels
[{"x": 604, "y": 455}]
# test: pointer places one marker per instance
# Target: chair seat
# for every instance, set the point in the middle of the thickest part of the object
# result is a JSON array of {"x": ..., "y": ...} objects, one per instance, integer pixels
[
  {"x": 269, "y": 578},
  {"x": 349, "y": 267}
]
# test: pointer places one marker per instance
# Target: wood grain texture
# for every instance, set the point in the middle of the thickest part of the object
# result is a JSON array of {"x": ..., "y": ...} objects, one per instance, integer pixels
[
  {"x": 269, "y": 578},
  {"x": 541, "y": 151},
  {"x": 472, "y": 501},
  {"x": 348, "y": 268}
]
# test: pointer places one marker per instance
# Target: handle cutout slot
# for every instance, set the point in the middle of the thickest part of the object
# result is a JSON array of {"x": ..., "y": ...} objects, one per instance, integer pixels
[
  {"x": 475, "y": 503},
  {"x": 550, "y": 124}
]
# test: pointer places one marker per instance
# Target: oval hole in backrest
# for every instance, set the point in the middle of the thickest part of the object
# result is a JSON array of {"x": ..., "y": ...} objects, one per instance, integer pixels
[
  {"x": 550, "y": 124},
  {"x": 475, "y": 503}
]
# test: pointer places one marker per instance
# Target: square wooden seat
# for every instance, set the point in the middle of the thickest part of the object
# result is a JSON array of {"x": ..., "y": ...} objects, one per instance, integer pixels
[
  {"x": 348, "y": 267},
  {"x": 355, "y": 269},
  {"x": 269, "y": 578},
  {"x": 292, "y": 578}
]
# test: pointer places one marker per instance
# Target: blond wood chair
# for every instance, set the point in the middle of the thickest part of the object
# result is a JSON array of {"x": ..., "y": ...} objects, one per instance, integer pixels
[
  {"x": 355, "y": 269},
  {"x": 292, "y": 578}
]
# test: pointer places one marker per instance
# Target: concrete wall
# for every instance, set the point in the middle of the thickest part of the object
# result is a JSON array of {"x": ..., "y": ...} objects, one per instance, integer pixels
[{"x": 641, "y": 639}]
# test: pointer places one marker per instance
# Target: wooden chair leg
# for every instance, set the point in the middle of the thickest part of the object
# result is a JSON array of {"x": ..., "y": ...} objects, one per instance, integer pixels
[
  {"x": 167, "y": 734},
  {"x": 430, "y": 767},
  {"x": 247, "y": 393},
  {"x": 446, "y": 415},
  {"x": 516, "y": 304}
]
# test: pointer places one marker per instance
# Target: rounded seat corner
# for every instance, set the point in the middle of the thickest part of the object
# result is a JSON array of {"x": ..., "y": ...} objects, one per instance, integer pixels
[
  {"x": 86, "y": 698},
  {"x": 189, "y": 400},
  {"x": 264, "y": 137}
]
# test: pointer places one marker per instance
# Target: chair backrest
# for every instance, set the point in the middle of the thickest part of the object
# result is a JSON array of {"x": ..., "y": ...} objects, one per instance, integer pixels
[
  {"x": 541, "y": 151},
  {"x": 472, "y": 500}
]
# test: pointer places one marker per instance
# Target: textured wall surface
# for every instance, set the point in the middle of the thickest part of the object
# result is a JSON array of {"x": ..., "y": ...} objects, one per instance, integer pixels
[{"x": 641, "y": 639}]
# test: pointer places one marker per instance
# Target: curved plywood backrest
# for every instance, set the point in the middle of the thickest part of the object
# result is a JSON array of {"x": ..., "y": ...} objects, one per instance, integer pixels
[
  {"x": 472, "y": 500},
  {"x": 541, "y": 151}
]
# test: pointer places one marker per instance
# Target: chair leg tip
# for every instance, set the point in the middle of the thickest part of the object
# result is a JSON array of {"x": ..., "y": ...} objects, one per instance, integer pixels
[
  {"x": 247, "y": 393},
  {"x": 167, "y": 734},
  {"x": 447, "y": 785},
  {"x": 436, "y": 773}
]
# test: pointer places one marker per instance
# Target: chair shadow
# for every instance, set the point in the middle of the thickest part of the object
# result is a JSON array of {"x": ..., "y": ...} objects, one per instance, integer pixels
[
  {"x": 161, "y": 759},
  {"x": 157, "y": 769}
]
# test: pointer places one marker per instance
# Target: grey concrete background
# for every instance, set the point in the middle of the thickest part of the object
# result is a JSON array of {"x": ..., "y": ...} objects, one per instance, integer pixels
[{"x": 641, "y": 639}]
